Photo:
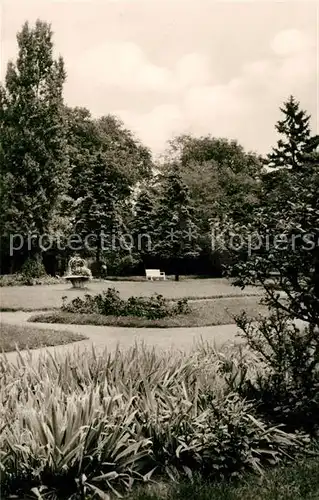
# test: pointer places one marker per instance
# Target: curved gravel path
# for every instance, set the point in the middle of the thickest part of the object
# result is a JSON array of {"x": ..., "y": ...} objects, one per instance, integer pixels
[{"x": 109, "y": 337}]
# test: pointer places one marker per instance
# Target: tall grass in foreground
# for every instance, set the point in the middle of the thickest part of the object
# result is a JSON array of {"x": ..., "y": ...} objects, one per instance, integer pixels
[
  {"x": 95, "y": 424},
  {"x": 294, "y": 481}
]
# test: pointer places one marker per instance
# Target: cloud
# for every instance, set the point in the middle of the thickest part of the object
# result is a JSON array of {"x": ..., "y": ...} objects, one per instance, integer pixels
[
  {"x": 125, "y": 65},
  {"x": 193, "y": 69},
  {"x": 245, "y": 107},
  {"x": 122, "y": 64},
  {"x": 185, "y": 94},
  {"x": 289, "y": 42},
  {"x": 156, "y": 126}
]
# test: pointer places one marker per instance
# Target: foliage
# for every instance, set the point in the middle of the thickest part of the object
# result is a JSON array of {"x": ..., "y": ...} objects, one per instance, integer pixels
[
  {"x": 31, "y": 273},
  {"x": 297, "y": 147},
  {"x": 97, "y": 213},
  {"x": 297, "y": 481},
  {"x": 98, "y": 423},
  {"x": 287, "y": 381},
  {"x": 223, "y": 180},
  {"x": 279, "y": 250},
  {"x": 71, "y": 173},
  {"x": 134, "y": 158},
  {"x": 283, "y": 238},
  {"x": 77, "y": 267},
  {"x": 109, "y": 303},
  {"x": 83, "y": 142},
  {"x": 106, "y": 162},
  {"x": 33, "y": 268},
  {"x": 143, "y": 224},
  {"x": 33, "y": 147},
  {"x": 107, "y": 135},
  {"x": 20, "y": 280},
  {"x": 120, "y": 264},
  {"x": 220, "y": 175},
  {"x": 199, "y": 313},
  {"x": 176, "y": 233}
]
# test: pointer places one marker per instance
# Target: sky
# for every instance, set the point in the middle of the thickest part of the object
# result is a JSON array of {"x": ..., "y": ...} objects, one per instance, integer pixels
[{"x": 167, "y": 67}]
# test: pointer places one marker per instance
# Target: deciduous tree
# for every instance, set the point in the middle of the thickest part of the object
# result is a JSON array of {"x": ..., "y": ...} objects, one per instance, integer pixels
[{"x": 221, "y": 176}]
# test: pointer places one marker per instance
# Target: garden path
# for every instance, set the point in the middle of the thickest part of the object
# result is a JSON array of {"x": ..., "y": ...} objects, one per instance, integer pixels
[{"x": 109, "y": 337}]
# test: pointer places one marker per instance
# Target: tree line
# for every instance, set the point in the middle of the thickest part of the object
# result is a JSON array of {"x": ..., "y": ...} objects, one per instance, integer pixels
[{"x": 65, "y": 173}]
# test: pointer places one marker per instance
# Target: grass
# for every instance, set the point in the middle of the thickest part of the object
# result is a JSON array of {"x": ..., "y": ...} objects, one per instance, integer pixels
[
  {"x": 24, "y": 337},
  {"x": 174, "y": 299},
  {"x": 26, "y": 309},
  {"x": 297, "y": 481},
  {"x": 203, "y": 313},
  {"x": 37, "y": 298}
]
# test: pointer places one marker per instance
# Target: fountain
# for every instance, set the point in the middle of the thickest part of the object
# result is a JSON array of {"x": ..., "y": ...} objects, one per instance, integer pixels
[{"x": 78, "y": 272}]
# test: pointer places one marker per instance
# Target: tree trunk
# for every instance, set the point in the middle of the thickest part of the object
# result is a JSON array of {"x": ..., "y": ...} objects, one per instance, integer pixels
[
  {"x": 177, "y": 269},
  {"x": 36, "y": 254},
  {"x": 98, "y": 256},
  {"x": 316, "y": 278},
  {"x": 11, "y": 266}
]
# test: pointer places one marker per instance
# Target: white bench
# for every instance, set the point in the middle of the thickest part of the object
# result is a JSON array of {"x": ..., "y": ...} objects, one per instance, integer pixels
[{"x": 154, "y": 274}]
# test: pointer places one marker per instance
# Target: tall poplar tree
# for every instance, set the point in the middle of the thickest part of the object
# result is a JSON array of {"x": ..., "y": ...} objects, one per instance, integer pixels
[{"x": 33, "y": 159}]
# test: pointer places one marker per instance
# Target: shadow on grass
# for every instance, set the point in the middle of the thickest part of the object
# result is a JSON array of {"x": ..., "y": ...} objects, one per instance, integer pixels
[{"x": 298, "y": 481}]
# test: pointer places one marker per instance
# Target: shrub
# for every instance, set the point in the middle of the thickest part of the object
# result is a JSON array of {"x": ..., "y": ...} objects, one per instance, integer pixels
[
  {"x": 155, "y": 307},
  {"x": 32, "y": 269},
  {"x": 86, "y": 423},
  {"x": 109, "y": 303},
  {"x": 182, "y": 306},
  {"x": 21, "y": 280},
  {"x": 31, "y": 273},
  {"x": 120, "y": 265},
  {"x": 286, "y": 384},
  {"x": 10, "y": 280}
]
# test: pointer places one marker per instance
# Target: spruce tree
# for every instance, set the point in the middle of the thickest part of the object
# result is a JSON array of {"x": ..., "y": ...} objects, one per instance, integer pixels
[
  {"x": 297, "y": 147},
  {"x": 33, "y": 147},
  {"x": 176, "y": 233},
  {"x": 143, "y": 225},
  {"x": 98, "y": 211}
]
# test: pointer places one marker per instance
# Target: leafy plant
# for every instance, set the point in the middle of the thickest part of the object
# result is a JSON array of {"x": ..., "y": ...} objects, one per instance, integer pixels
[
  {"x": 19, "y": 280},
  {"x": 95, "y": 424},
  {"x": 109, "y": 303},
  {"x": 286, "y": 383},
  {"x": 176, "y": 233},
  {"x": 33, "y": 159},
  {"x": 31, "y": 270}
]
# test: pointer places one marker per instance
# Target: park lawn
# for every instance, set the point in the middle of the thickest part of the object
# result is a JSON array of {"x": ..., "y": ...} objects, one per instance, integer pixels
[
  {"x": 219, "y": 311},
  {"x": 49, "y": 297},
  {"x": 25, "y": 337},
  {"x": 296, "y": 481}
]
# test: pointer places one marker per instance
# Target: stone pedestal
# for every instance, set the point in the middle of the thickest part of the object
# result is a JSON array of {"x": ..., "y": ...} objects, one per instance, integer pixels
[{"x": 78, "y": 281}]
